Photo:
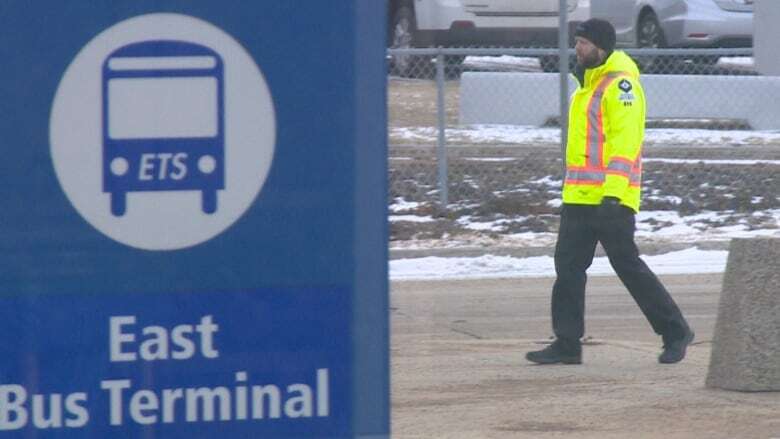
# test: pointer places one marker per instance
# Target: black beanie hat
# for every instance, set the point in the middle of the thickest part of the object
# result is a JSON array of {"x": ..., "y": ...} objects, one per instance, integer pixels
[{"x": 599, "y": 32}]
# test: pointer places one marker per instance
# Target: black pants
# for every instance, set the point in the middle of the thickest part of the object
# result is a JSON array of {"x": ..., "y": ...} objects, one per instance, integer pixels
[{"x": 581, "y": 228}]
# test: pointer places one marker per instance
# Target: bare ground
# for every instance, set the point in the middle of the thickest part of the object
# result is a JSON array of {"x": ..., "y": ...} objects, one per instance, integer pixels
[{"x": 458, "y": 369}]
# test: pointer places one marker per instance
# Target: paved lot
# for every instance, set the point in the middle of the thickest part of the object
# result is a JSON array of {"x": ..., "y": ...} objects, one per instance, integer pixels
[{"x": 458, "y": 367}]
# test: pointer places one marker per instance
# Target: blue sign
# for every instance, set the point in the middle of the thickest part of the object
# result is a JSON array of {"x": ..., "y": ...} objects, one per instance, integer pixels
[{"x": 194, "y": 231}]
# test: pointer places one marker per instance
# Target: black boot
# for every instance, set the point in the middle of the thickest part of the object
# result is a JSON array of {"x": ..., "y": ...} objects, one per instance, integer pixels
[
  {"x": 559, "y": 351},
  {"x": 674, "y": 351}
]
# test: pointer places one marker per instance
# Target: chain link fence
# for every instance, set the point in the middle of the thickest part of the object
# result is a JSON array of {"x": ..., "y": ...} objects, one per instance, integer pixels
[{"x": 494, "y": 182}]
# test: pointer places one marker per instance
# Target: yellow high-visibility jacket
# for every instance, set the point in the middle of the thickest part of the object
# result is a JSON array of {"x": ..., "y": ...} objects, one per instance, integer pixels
[{"x": 606, "y": 131}]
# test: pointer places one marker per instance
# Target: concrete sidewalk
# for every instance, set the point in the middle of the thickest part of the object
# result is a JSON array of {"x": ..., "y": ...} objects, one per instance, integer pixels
[{"x": 458, "y": 367}]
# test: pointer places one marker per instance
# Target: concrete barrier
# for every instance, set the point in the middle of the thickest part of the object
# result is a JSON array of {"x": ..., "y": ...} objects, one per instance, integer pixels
[
  {"x": 746, "y": 343},
  {"x": 532, "y": 98}
]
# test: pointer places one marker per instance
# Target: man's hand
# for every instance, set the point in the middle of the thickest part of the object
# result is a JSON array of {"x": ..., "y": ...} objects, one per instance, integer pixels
[{"x": 609, "y": 207}]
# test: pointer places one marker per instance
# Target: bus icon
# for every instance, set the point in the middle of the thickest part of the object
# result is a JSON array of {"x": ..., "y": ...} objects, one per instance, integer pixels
[{"x": 163, "y": 121}]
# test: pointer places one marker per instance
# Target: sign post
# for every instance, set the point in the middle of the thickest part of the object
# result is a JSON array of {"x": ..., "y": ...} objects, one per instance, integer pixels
[{"x": 194, "y": 238}]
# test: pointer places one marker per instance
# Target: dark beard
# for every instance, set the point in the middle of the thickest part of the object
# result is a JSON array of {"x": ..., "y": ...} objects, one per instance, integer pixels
[{"x": 589, "y": 62}]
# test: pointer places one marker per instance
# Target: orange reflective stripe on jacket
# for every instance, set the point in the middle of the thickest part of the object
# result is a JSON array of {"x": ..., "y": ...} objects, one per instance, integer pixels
[
  {"x": 595, "y": 139},
  {"x": 627, "y": 168}
]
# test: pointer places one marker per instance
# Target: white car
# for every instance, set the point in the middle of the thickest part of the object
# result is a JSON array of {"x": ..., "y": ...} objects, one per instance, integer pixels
[
  {"x": 475, "y": 23},
  {"x": 678, "y": 23}
]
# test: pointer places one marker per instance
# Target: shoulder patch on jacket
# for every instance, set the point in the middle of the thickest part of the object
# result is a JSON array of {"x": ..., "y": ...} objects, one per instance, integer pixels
[{"x": 625, "y": 95}]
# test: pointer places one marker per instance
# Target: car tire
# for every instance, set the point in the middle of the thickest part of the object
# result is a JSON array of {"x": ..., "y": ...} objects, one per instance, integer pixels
[
  {"x": 649, "y": 35},
  {"x": 402, "y": 35}
]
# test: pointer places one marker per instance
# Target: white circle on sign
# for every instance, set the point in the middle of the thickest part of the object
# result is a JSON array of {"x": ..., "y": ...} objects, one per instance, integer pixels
[
  {"x": 162, "y": 131},
  {"x": 119, "y": 166},
  {"x": 207, "y": 164}
]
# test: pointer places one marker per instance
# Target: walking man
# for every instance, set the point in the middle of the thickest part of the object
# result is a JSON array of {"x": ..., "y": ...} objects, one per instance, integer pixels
[{"x": 601, "y": 196}]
